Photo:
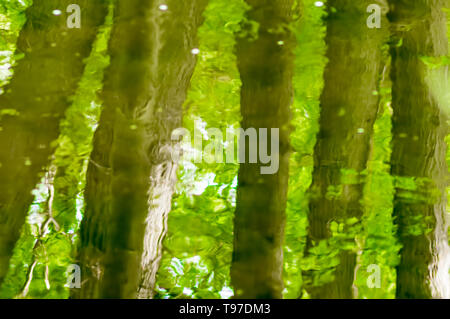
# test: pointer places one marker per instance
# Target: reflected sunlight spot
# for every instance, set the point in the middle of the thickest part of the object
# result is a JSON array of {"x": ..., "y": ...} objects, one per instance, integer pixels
[
  {"x": 201, "y": 185},
  {"x": 79, "y": 208},
  {"x": 195, "y": 51},
  {"x": 226, "y": 293},
  {"x": 5, "y": 24},
  {"x": 57, "y": 12},
  {"x": 318, "y": 3},
  {"x": 163, "y": 7},
  {"x": 187, "y": 291}
]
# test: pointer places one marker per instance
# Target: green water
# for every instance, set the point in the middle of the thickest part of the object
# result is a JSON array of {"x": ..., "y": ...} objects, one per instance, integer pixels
[{"x": 357, "y": 209}]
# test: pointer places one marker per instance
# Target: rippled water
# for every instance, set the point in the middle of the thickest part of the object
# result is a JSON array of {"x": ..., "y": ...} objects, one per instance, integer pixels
[{"x": 357, "y": 93}]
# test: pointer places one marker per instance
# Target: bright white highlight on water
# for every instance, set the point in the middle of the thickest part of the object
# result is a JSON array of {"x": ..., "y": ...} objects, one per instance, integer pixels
[
  {"x": 57, "y": 12},
  {"x": 318, "y": 3},
  {"x": 163, "y": 7},
  {"x": 195, "y": 51},
  {"x": 226, "y": 293},
  {"x": 188, "y": 291}
]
